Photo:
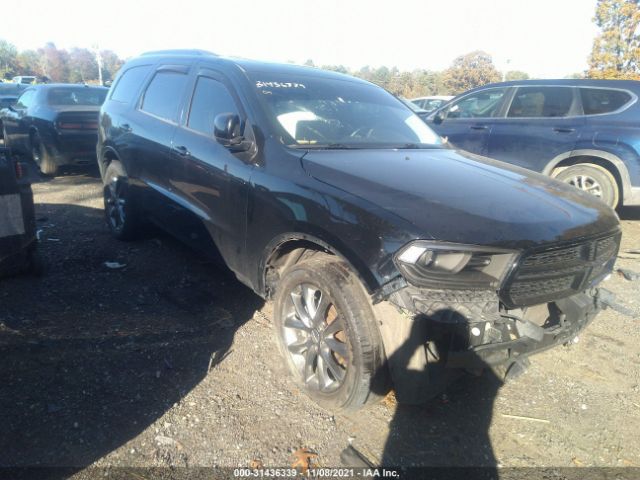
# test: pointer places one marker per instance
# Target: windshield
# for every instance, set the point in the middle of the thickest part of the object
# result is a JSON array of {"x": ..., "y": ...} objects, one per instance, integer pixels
[
  {"x": 77, "y": 96},
  {"x": 331, "y": 113}
]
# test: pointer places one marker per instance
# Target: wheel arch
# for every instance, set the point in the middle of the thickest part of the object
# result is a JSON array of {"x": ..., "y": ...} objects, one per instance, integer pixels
[
  {"x": 290, "y": 248},
  {"x": 606, "y": 160},
  {"x": 107, "y": 156}
]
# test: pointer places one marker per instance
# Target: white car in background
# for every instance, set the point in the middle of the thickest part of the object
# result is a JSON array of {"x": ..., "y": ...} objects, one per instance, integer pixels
[{"x": 431, "y": 103}]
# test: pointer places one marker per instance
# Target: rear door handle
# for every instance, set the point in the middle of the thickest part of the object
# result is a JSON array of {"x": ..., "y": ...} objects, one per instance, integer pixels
[
  {"x": 182, "y": 151},
  {"x": 125, "y": 127},
  {"x": 478, "y": 127},
  {"x": 564, "y": 130}
]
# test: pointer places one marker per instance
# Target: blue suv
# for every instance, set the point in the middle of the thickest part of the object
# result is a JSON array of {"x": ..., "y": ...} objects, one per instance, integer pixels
[{"x": 582, "y": 132}]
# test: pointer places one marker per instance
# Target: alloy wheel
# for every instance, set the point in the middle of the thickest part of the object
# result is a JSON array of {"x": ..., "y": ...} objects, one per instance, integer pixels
[
  {"x": 315, "y": 338},
  {"x": 115, "y": 203},
  {"x": 35, "y": 152},
  {"x": 587, "y": 184}
]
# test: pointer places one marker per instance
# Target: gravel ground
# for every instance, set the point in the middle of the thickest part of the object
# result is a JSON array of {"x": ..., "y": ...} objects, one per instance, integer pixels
[{"x": 170, "y": 361}]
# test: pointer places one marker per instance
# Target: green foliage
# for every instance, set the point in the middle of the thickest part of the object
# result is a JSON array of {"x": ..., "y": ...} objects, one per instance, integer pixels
[
  {"x": 516, "y": 75},
  {"x": 79, "y": 65},
  {"x": 407, "y": 84},
  {"x": 334, "y": 68},
  {"x": 29, "y": 63},
  {"x": 8, "y": 59},
  {"x": 83, "y": 65},
  {"x": 616, "y": 50},
  {"x": 469, "y": 71}
]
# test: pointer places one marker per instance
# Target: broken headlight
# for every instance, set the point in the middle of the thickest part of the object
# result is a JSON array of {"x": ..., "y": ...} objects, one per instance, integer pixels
[{"x": 454, "y": 266}]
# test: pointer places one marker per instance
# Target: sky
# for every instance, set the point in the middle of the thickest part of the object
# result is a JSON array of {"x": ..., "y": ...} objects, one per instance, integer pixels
[{"x": 545, "y": 38}]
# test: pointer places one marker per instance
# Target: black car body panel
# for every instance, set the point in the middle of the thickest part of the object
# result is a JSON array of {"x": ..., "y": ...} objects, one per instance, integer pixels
[
  {"x": 69, "y": 132},
  {"x": 247, "y": 206},
  {"x": 431, "y": 189},
  {"x": 9, "y": 93},
  {"x": 17, "y": 218}
]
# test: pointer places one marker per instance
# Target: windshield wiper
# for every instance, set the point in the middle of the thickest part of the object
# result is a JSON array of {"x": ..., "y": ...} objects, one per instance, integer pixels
[
  {"x": 328, "y": 146},
  {"x": 417, "y": 146}
]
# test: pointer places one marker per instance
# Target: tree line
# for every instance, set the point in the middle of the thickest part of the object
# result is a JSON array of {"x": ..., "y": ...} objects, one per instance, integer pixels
[
  {"x": 615, "y": 55},
  {"x": 467, "y": 71},
  {"x": 77, "y": 65}
]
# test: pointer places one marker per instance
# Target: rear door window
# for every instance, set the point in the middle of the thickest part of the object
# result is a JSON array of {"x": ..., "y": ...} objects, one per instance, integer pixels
[
  {"x": 210, "y": 99},
  {"x": 164, "y": 94},
  {"x": 536, "y": 102},
  {"x": 483, "y": 104},
  {"x": 129, "y": 84},
  {"x": 599, "y": 100}
]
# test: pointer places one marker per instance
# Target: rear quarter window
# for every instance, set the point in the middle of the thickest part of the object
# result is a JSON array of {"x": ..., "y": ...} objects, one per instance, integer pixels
[
  {"x": 599, "y": 100},
  {"x": 129, "y": 84}
]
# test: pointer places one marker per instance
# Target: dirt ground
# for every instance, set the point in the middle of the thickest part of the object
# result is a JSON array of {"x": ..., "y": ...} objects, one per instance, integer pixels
[{"x": 171, "y": 361}]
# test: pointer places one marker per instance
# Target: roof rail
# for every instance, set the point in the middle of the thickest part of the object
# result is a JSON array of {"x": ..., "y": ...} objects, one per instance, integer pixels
[{"x": 203, "y": 53}]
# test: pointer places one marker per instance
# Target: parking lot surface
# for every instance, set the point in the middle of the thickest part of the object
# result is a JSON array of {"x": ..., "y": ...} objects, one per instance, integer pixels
[{"x": 165, "y": 360}]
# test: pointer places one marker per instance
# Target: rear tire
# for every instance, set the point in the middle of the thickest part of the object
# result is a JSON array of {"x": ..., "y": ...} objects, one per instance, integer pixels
[
  {"x": 592, "y": 179},
  {"x": 41, "y": 156},
  {"x": 119, "y": 205},
  {"x": 327, "y": 333}
]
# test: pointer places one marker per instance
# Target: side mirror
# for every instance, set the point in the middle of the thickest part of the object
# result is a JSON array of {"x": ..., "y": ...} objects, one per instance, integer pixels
[
  {"x": 227, "y": 130},
  {"x": 438, "y": 118}
]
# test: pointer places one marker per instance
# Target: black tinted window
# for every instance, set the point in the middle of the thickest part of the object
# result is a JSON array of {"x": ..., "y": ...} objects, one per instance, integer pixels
[
  {"x": 209, "y": 99},
  {"x": 599, "y": 100},
  {"x": 541, "y": 102},
  {"x": 77, "y": 96},
  {"x": 129, "y": 84},
  {"x": 164, "y": 94},
  {"x": 477, "y": 105}
]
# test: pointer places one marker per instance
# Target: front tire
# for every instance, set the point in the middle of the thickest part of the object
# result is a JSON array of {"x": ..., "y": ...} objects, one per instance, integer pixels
[
  {"x": 592, "y": 179},
  {"x": 327, "y": 333},
  {"x": 119, "y": 205}
]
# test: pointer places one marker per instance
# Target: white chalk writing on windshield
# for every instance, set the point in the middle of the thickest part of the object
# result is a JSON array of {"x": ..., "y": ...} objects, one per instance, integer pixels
[{"x": 261, "y": 84}]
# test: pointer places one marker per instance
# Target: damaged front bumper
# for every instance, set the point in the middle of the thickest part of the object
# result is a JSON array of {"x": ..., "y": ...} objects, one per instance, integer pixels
[{"x": 470, "y": 329}]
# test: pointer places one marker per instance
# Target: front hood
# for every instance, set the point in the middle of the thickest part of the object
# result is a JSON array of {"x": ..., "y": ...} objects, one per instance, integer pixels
[{"x": 459, "y": 197}]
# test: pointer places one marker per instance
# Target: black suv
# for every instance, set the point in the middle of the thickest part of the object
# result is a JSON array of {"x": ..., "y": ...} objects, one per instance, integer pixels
[
  {"x": 582, "y": 132},
  {"x": 387, "y": 254}
]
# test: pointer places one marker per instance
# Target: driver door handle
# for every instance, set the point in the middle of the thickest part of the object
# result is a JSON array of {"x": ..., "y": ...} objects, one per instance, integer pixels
[
  {"x": 478, "y": 127},
  {"x": 564, "y": 130},
  {"x": 182, "y": 151}
]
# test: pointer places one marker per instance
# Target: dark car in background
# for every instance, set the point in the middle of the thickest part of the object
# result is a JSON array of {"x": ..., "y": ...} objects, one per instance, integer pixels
[
  {"x": 582, "y": 132},
  {"x": 56, "y": 124},
  {"x": 17, "y": 218},
  {"x": 386, "y": 252},
  {"x": 431, "y": 103},
  {"x": 420, "y": 112},
  {"x": 9, "y": 93}
]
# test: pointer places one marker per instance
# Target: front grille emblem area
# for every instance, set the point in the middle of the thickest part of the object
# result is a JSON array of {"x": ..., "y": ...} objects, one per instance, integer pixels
[{"x": 554, "y": 273}]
